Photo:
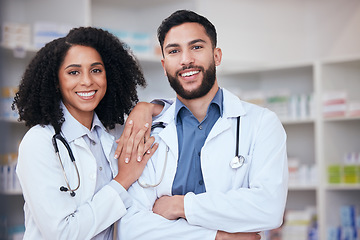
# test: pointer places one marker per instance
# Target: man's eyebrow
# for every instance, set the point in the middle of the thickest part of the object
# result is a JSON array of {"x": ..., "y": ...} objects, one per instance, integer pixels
[
  {"x": 170, "y": 45},
  {"x": 197, "y": 41}
]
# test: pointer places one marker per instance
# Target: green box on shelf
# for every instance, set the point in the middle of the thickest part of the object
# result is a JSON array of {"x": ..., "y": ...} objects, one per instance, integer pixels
[
  {"x": 350, "y": 174},
  {"x": 334, "y": 173}
]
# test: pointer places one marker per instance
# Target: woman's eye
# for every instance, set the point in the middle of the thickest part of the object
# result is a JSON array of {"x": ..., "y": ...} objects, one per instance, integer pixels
[
  {"x": 73, "y": 72},
  {"x": 96, "y": 70}
]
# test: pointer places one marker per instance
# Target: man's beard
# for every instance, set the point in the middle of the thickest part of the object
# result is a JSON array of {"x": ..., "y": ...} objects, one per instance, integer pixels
[{"x": 206, "y": 84}]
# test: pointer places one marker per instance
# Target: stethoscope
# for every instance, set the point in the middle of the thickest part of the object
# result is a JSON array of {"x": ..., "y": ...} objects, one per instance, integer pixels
[
  {"x": 238, "y": 160},
  {"x": 146, "y": 185},
  {"x": 71, "y": 155},
  {"x": 235, "y": 163}
]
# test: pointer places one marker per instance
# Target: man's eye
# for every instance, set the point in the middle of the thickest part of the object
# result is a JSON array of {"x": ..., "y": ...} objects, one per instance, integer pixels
[
  {"x": 173, "y": 51},
  {"x": 197, "y": 47}
]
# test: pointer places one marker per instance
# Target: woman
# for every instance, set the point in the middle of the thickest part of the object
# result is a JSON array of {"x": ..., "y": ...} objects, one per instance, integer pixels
[{"x": 76, "y": 89}]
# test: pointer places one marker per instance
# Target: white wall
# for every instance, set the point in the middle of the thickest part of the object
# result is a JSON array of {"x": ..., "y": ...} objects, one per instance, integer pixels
[{"x": 285, "y": 30}]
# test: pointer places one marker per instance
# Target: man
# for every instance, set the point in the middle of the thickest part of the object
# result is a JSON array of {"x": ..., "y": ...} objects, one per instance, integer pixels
[{"x": 205, "y": 192}]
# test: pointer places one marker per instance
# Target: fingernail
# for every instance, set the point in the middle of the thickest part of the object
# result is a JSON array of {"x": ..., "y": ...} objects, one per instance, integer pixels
[
  {"x": 126, "y": 160},
  {"x": 131, "y": 121},
  {"x": 148, "y": 152},
  {"x": 139, "y": 158},
  {"x": 116, "y": 156},
  {"x": 146, "y": 124}
]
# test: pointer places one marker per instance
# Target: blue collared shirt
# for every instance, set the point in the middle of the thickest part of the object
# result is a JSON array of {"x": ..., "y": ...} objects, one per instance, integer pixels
[{"x": 191, "y": 138}]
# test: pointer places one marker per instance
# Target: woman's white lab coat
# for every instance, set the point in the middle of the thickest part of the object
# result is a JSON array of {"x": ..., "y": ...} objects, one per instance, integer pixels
[
  {"x": 52, "y": 214},
  {"x": 250, "y": 198}
]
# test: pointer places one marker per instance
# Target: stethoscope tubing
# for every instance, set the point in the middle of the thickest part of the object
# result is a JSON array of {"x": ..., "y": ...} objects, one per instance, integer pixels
[
  {"x": 72, "y": 158},
  {"x": 237, "y": 162}
]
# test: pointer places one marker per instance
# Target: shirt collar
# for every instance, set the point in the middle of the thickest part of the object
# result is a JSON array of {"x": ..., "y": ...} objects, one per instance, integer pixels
[
  {"x": 73, "y": 129},
  {"x": 218, "y": 100}
]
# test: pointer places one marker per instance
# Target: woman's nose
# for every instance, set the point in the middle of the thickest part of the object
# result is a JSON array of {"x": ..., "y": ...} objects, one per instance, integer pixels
[{"x": 86, "y": 79}]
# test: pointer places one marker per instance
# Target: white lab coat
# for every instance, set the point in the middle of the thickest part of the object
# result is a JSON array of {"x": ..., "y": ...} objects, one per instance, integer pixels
[
  {"x": 250, "y": 198},
  {"x": 52, "y": 214}
]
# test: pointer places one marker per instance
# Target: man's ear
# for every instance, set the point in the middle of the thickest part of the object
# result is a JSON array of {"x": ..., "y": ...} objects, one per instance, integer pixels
[
  {"x": 217, "y": 56},
  {"x": 163, "y": 65}
]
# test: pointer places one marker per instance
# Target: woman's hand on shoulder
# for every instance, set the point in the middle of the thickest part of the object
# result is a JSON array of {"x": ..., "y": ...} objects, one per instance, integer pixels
[
  {"x": 137, "y": 130},
  {"x": 129, "y": 172}
]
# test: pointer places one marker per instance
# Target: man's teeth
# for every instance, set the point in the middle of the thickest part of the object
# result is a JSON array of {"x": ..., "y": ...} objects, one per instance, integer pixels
[
  {"x": 86, "y": 94},
  {"x": 188, "y": 74}
]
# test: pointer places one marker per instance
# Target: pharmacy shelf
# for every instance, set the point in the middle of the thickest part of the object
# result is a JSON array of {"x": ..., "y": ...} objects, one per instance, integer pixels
[
  {"x": 9, "y": 193},
  {"x": 343, "y": 187},
  {"x": 344, "y": 118},
  {"x": 302, "y": 187},
  {"x": 10, "y": 120},
  {"x": 297, "y": 121},
  {"x": 19, "y": 48},
  {"x": 321, "y": 137}
]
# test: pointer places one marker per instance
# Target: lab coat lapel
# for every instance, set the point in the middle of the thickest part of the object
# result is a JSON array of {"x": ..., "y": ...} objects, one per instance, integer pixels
[
  {"x": 107, "y": 143},
  {"x": 221, "y": 125},
  {"x": 169, "y": 136},
  {"x": 169, "y": 133},
  {"x": 232, "y": 108}
]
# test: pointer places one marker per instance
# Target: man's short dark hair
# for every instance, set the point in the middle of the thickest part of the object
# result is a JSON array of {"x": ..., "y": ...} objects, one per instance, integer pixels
[{"x": 184, "y": 16}]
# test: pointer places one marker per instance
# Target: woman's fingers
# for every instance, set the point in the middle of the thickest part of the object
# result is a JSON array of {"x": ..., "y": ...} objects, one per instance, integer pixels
[
  {"x": 123, "y": 138},
  {"x": 150, "y": 152},
  {"x": 136, "y": 144}
]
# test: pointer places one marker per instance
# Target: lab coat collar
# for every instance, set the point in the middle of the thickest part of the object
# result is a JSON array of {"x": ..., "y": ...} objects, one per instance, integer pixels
[
  {"x": 72, "y": 129},
  {"x": 232, "y": 105},
  {"x": 232, "y": 108}
]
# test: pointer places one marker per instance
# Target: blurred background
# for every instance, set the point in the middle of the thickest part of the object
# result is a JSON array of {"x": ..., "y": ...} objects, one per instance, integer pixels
[{"x": 300, "y": 59}]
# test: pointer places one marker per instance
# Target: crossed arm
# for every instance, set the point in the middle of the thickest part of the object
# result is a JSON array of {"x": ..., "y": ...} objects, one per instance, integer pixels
[{"x": 172, "y": 208}]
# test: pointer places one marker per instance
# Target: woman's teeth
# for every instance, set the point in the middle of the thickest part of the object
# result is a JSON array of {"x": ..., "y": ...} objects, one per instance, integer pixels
[{"x": 86, "y": 94}]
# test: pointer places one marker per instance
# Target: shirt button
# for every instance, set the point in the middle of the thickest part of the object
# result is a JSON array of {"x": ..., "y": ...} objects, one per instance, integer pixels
[
  {"x": 100, "y": 168},
  {"x": 201, "y": 182},
  {"x": 93, "y": 142},
  {"x": 200, "y": 127}
]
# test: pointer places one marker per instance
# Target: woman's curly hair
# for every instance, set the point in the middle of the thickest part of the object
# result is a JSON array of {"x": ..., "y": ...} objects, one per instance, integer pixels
[{"x": 38, "y": 99}]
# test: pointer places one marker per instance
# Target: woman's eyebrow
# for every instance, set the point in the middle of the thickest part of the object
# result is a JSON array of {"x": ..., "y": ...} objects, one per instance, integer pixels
[
  {"x": 97, "y": 63},
  {"x": 79, "y": 65},
  {"x": 73, "y": 65}
]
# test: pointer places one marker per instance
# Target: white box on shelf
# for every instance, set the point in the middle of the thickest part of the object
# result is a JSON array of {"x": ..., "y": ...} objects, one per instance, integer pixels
[{"x": 334, "y": 103}]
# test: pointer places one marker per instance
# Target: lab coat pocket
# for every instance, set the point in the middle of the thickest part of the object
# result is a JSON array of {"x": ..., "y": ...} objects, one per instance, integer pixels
[{"x": 241, "y": 174}]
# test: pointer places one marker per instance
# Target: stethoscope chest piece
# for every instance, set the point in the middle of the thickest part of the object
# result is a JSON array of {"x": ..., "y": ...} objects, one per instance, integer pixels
[{"x": 237, "y": 162}]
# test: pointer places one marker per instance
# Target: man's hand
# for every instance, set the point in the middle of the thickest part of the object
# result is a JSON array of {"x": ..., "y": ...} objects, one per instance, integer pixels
[
  {"x": 237, "y": 236},
  {"x": 170, "y": 207}
]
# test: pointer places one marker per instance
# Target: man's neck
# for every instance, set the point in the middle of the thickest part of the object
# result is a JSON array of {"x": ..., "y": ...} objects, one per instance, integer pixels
[{"x": 199, "y": 106}]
